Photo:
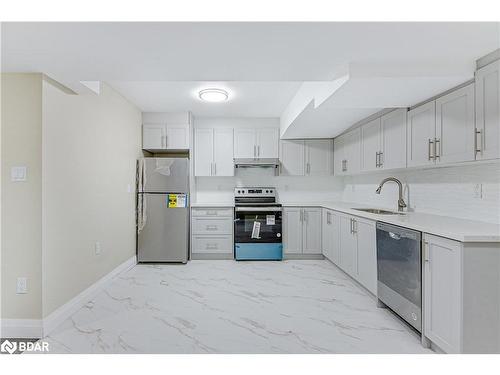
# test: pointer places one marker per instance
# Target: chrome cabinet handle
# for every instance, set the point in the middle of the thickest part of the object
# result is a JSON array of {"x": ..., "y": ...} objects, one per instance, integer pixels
[
  {"x": 258, "y": 150},
  {"x": 211, "y": 227},
  {"x": 308, "y": 168},
  {"x": 212, "y": 213},
  {"x": 429, "y": 150},
  {"x": 212, "y": 246},
  {"x": 436, "y": 153},
  {"x": 351, "y": 226},
  {"x": 380, "y": 159},
  {"x": 376, "y": 159},
  {"x": 426, "y": 251},
  {"x": 254, "y": 151},
  {"x": 300, "y": 215},
  {"x": 478, "y": 138},
  {"x": 215, "y": 169}
]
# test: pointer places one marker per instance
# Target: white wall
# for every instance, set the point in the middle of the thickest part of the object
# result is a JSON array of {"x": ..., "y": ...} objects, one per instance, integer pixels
[
  {"x": 90, "y": 145},
  {"x": 447, "y": 191},
  {"x": 21, "y": 250}
]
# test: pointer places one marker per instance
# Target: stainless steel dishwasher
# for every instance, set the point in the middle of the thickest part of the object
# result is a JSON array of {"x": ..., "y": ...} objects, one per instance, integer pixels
[{"x": 399, "y": 271}]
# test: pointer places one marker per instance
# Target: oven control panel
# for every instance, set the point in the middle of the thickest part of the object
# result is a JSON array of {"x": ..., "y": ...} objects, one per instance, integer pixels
[{"x": 254, "y": 192}]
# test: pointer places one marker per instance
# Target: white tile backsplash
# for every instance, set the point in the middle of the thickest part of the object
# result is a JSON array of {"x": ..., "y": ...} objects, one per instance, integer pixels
[{"x": 448, "y": 191}]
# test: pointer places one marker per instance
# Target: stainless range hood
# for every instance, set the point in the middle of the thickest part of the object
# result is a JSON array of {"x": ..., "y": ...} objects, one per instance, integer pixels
[{"x": 257, "y": 163}]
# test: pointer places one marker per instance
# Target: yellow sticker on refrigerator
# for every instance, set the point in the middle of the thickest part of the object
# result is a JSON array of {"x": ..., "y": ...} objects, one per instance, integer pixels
[{"x": 177, "y": 201}]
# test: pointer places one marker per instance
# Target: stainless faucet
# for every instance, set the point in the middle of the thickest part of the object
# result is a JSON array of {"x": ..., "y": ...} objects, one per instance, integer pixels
[{"x": 401, "y": 202}]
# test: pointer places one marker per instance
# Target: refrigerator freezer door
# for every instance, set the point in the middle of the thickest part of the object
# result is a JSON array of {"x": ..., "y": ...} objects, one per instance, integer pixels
[
  {"x": 164, "y": 237},
  {"x": 165, "y": 175}
]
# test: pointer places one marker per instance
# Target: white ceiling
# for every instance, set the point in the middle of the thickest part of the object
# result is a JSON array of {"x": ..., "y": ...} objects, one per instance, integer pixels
[
  {"x": 246, "y": 99},
  {"x": 156, "y": 65}
]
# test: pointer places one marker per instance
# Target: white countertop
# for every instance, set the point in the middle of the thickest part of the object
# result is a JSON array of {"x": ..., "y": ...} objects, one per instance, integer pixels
[
  {"x": 450, "y": 227},
  {"x": 212, "y": 204},
  {"x": 445, "y": 226}
]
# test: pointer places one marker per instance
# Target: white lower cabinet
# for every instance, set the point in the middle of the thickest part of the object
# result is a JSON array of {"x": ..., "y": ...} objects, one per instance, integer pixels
[
  {"x": 211, "y": 233},
  {"x": 357, "y": 249},
  {"x": 330, "y": 235},
  {"x": 442, "y": 292},
  {"x": 302, "y": 230}
]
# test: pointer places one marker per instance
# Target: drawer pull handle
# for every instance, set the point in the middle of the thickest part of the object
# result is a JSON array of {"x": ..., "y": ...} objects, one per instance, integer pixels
[
  {"x": 212, "y": 213},
  {"x": 212, "y": 246},
  {"x": 211, "y": 227}
]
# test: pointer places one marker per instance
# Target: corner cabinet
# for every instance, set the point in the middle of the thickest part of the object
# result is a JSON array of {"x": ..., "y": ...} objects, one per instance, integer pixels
[
  {"x": 256, "y": 143},
  {"x": 213, "y": 152},
  {"x": 312, "y": 157},
  {"x": 487, "y": 133},
  {"x": 302, "y": 231}
]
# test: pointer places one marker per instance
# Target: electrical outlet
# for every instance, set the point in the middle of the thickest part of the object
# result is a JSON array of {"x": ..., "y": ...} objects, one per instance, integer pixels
[
  {"x": 478, "y": 191},
  {"x": 22, "y": 285},
  {"x": 97, "y": 248}
]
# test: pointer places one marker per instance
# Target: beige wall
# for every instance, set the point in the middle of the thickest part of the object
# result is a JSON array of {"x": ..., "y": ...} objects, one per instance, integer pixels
[
  {"x": 90, "y": 145},
  {"x": 21, "y": 137}
]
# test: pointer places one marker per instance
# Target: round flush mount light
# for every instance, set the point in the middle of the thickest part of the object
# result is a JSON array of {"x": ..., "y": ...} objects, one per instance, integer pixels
[{"x": 213, "y": 95}]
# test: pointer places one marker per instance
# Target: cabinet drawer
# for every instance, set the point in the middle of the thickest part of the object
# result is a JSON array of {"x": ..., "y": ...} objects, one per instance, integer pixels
[
  {"x": 205, "y": 225},
  {"x": 212, "y": 244},
  {"x": 212, "y": 212}
]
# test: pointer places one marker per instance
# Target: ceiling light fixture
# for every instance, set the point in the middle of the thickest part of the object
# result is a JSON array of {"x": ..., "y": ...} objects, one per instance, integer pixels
[{"x": 213, "y": 95}]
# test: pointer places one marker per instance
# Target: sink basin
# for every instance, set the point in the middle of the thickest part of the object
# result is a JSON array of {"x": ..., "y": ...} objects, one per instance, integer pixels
[{"x": 378, "y": 211}]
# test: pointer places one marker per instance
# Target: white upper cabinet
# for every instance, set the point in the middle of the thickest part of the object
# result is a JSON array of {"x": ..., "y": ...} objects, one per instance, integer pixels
[
  {"x": 421, "y": 133},
  {"x": 352, "y": 151},
  {"x": 267, "y": 142},
  {"x": 312, "y": 157},
  {"x": 292, "y": 158},
  {"x": 318, "y": 157},
  {"x": 223, "y": 152},
  {"x": 245, "y": 143},
  {"x": 339, "y": 156},
  {"x": 203, "y": 152},
  {"x": 177, "y": 136},
  {"x": 213, "y": 152},
  {"x": 256, "y": 143},
  {"x": 455, "y": 126},
  {"x": 393, "y": 139},
  {"x": 487, "y": 137},
  {"x": 166, "y": 131},
  {"x": 154, "y": 137},
  {"x": 371, "y": 148}
]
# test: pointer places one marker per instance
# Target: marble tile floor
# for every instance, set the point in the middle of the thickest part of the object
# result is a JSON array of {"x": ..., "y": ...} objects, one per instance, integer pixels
[{"x": 296, "y": 306}]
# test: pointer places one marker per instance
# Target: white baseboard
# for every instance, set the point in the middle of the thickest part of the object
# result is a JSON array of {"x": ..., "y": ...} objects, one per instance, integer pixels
[
  {"x": 69, "y": 308},
  {"x": 21, "y": 328}
]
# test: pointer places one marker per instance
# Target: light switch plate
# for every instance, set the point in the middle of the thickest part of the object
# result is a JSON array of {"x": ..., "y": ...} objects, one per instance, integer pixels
[
  {"x": 18, "y": 174},
  {"x": 22, "y": 285}
]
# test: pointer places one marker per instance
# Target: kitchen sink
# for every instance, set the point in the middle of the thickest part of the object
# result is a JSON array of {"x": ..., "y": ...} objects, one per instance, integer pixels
[{"x": 378, "y": 211}]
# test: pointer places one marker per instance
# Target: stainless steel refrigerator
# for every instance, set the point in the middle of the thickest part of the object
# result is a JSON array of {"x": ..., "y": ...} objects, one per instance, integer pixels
[{"x": 162, "y": 210}]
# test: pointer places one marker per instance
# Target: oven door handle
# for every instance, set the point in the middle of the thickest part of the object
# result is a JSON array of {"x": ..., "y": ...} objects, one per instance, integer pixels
[{"x": 253, "y": 209}]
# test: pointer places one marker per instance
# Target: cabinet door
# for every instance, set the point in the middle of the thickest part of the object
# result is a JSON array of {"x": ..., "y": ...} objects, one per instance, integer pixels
[
  {"x": 370, "y": 145},
  {"x": 292, "y": 230},
  {"x": 244, "y": 143},
  {"x": 153, "y": 137},
  {"x": 442, "y": 292},
  {"x": 203, "y": 152},
  {"x": 267, "y": 142},
  {"x": 488, "y": 112},
  {"x": 325, "y": 233},
  {"x": 312, "y": 230},
  {"x": 348, "y": 246},
  {"x": 421, "y": 131},
  {"x": 352, "y": 151},
  {"x": 367, "y": 254},
  {"x": 292, "y": 158},
  {"x": 393, "y": 139},
  {"x": 318, "y": 157},
  {"x": 177, "y": 136},
  {"x": 455, "y": 126},
  {"x": 335, "y": 237},
  {"x": 338, "y": 156},
  {"x": 223, "y": 152}
]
